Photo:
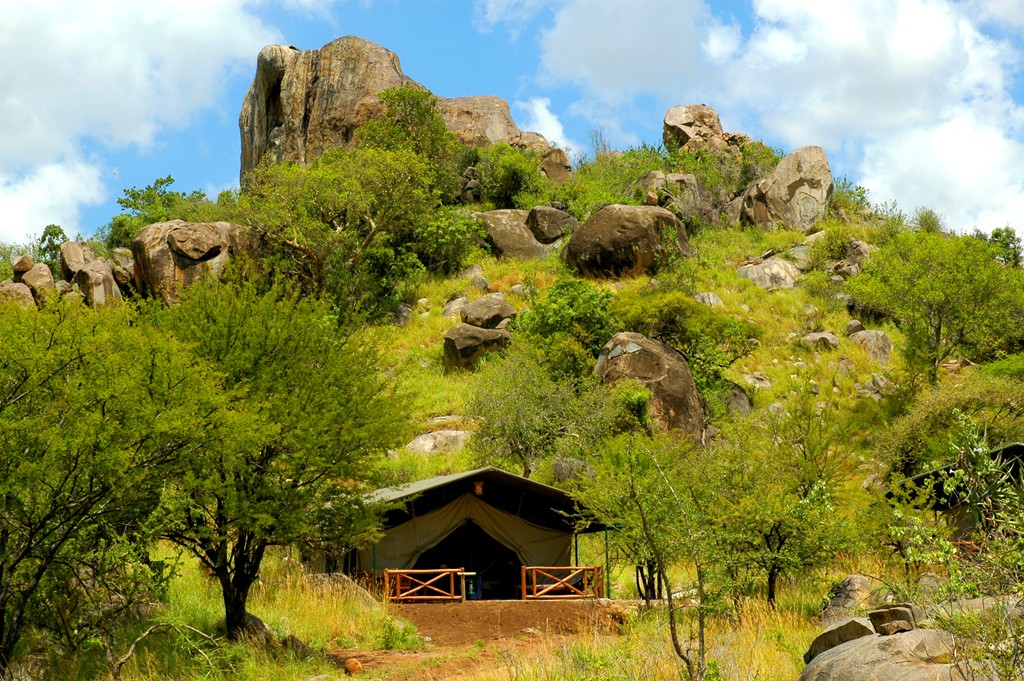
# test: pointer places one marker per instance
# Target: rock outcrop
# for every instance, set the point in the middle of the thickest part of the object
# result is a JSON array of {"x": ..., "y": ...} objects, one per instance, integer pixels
[
  {"x": 16, "y": 292},
  {"x": 619, "y": 240},
  {"x": 549, "y": 224},
  {"x": 508, "y": 235},
  {"x": 692, "y": 127},
  {"x": 303, "y": 103},
  {"x": 675, "y": 403},
  {"x": 171, "y": 255},
  {"x": 96, "y": 282},
  {"x": 795, "y": 194},
  {"x": 74, "y": 255}
]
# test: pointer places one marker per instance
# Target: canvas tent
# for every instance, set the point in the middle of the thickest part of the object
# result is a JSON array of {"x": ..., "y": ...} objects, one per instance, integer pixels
[{"x": 487, "y": 521}]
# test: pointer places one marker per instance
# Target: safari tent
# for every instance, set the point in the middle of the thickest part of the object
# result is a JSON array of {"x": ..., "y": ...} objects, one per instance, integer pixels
[{"x": 487, "y": 521}]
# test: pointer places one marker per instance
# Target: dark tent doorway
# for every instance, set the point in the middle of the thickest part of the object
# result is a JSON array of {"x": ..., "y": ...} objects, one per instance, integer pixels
[{"x": 497, "y": 567}]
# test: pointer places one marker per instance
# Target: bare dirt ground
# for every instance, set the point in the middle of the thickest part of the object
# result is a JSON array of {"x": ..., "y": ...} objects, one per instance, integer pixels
[{"x": 466, "y": 639}]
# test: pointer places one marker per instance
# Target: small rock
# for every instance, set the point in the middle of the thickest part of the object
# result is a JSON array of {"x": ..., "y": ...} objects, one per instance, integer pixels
[
  {"x": 759, "y": 381},
  {"x": 453, "y": 308},
  {"x": 352, "y": 666},
  {"x": 883, "y": 617},
  {"x": 709, "y": 299},
  {"x": 21, "y": 264},
  {"x": 854, "y": 326},
  {"x": 824, "y": 340},
  {"x": 471, "y": 272},
  {"x": 487, "y": 313},
  {"x": 439, "y": 441},
  {"x": 403, "y": 314}
]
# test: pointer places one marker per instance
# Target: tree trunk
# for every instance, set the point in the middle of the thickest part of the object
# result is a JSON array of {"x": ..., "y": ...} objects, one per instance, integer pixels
[{"x": 773, "y": 577}]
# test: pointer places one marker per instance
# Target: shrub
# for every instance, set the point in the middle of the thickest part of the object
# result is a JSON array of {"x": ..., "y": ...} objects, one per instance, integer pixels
[
  {"x": 509, "y": 177},
  {"x": 573, "y": 308}
]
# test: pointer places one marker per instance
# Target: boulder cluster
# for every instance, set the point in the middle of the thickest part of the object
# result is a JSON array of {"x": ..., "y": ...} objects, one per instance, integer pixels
[{"x": 164, "y": 258}]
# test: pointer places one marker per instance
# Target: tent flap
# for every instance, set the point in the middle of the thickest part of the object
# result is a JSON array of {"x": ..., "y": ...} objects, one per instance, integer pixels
[{"x": 402, "y": 545}]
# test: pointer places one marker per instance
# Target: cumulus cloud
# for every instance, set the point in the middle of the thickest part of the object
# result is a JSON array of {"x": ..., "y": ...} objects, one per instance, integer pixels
[
  {"x": 51, "y": 194},
  {"x": 111, "y": 74},
  {"x": 541, "y": 119},
  {"x": 513, "y": 13},
  {"x": 911, "y": 94}
]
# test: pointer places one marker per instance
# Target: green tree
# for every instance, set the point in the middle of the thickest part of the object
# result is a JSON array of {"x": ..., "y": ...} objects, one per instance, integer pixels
[
  {"x": 946, "y": 293},
  {"x": 412, "y": 120},
  {"x": 510, "y": 177},
  {"x": 526, "y": 414},
  {"x": 47, "y": 247},
  {"x": 343, "y": 226},
  {"x": 310, "y": 412},
  {"x": 1007, "y": 245},
  {"x": 95, "y": 410},
  {"x": 662, "y": 497},
  {"x": 143, "y": 207}
]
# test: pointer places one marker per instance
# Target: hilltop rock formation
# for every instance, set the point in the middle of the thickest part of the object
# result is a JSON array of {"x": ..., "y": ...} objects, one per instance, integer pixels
[
  {"x": 693, "y": 127},
  {"x": 796, "y": 193},
  {"x": 172, "y": 255},
  {"x": 618, "y": 240},
  {"x": 303, "y": 103},
  {"x": 675, "y": 402}
]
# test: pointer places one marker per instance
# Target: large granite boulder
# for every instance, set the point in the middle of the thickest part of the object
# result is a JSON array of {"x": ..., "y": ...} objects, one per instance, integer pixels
[
  {"x": 622, "y": 240},
  {"x": 839, "y": 633},
  {"x": 549, "y": 224},
  {"x": 918, "y": 655},
  {"x": 39, "y": 279},
  {"x": 464, "y": 344},
  {"x": 16, "y": 292},
  {"x": 303, "y": 103},
  {"x": 555, "y": 165},
  {"x": 96, "y": 282},
  {"x": 487, "y": 313},
  {"x": 877, "y": 343},
  {"x": 480, "y": 120},
  {"x": 692, "y": 127},
  {"x": 74, "y": 255},
  {"x": 171, "y": 255},
  {"x": 675, "y": 403},
  {"x": 507, "y": 233},
  {"x": 795, "y": 194},
  {"x": 771, "y": 274}
]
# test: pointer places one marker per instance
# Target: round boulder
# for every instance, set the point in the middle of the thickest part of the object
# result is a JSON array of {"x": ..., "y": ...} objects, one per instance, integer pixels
[
  {"x": 626, "y": 240},
  {"x": 509, "y": 237},
  {"x": 692, "y": 127},
  {"x": 549, "y": 224},
  {"x": 795, "y": 194},
  {"x": 487, "y": 313},
  {"x": 18, "y": 293},
  {"x": 464, "y": 344},
  {"x": 675, "y": 403}
]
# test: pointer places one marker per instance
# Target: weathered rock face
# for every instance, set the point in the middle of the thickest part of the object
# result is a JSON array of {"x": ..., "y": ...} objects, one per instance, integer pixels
[
  {"x": 464, "y": 344},
  {"x": 620, "y": 240},
  {"x": 96, "y": 282},
  {"x": 16, "y": 292},
  {"x": 509, "y": 236},
  {"x": 549, "y": 224},
  {"x": 850, "y": 594},
  {"x": 74, "y": 255},
  {"x": 487, "y": 313},
  {"x": 555, "y": 165},
  {"x": 480, "y": 120},
  {"x": 821, "y": 341},
  {"x": 675, "y": 403},
  {"x": 771, "y": 274},
  {"x": 39, "y": 279},
  {"x": 919, "y": 655},
  {"x": 171, "y": 255},
  {"x": 303, "y": 103},
  {"x": 877, "y": 343},
  {"x": 796, "y": 193},
  {"x": 122, "y": 265},
  {"x": 849, "y": 629},
  {"x": 692, "y": 127}
]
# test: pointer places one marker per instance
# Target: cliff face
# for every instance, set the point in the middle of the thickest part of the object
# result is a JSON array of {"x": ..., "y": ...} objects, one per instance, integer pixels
[{"x": 303, "y": 103}]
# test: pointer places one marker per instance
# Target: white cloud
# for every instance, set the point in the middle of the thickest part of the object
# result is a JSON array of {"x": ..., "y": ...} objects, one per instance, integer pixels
[
  {"x": 112, "y": 73},
  {"x": 514, "y": 13},
  {"x": 914, "y": 93},
  {"x": 541, "y": 119},
  {"x": 51, "y": 194}
]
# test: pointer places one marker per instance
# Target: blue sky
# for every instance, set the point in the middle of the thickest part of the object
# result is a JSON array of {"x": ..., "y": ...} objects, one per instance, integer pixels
[{"x": 921, "y": 101}]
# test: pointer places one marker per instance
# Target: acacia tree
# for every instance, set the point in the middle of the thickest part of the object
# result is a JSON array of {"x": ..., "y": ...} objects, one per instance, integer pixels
[
  {"x": 946, "y": 293},
  {"x": 309, "y": 410},
  {"x": 95, "y": 410},
  {"x": 662, "y": 496}
]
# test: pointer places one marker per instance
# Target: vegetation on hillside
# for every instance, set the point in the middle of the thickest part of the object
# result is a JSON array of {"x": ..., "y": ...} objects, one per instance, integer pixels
[{"x": 244, "y": 425}]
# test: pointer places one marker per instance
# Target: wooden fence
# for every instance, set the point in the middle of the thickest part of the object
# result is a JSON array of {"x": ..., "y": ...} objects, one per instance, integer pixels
[
  {"x": 426, "y": 585},
  {"x": 561, "y": 582}
]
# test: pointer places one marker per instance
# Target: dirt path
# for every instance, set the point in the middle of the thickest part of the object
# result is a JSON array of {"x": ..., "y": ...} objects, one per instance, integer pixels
[{"x": 466, "y": 639}]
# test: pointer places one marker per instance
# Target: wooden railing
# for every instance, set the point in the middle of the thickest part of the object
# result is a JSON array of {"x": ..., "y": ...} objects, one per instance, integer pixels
[
  {"x": 561, "y": 582},
  {"x": 426, "y": 585}
]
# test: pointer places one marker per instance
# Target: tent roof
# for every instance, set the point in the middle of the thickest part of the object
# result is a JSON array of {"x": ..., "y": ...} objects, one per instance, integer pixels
[
  {"x": 532, "y": 501},
  {"x": 1012, "y": 453}
]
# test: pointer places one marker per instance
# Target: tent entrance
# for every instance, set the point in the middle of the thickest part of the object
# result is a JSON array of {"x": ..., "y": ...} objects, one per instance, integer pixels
[{"x": 498, "y": 568}]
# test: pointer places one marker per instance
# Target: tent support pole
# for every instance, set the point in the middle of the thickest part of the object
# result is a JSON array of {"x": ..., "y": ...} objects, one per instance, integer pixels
[
  {"x": 607, "y": 574},
  {"x": 576, "y": 541}
]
